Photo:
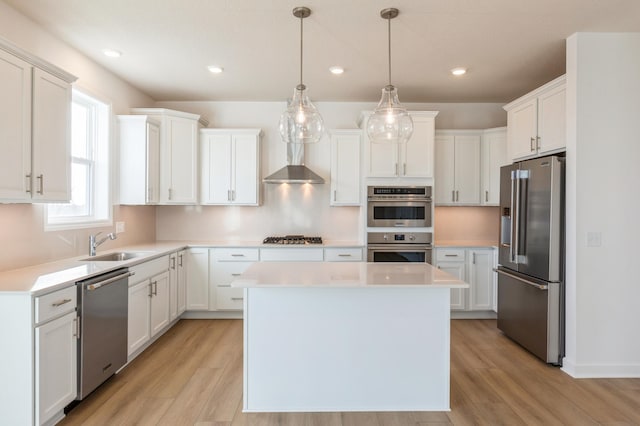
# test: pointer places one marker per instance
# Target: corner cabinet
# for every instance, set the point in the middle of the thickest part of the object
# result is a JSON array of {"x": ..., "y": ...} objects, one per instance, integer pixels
[
  {"x": 457, "y": 172},
  {"x": 345, "y": 167},
  {"x": 536, "y": 122},
  {"x": 139, "y": 159},
  {"x": 35, "y": 128},
  {"x": 178, "y": 154},
  {"x": 411, "y": 160},
  {"x": 230, "y": 166}
]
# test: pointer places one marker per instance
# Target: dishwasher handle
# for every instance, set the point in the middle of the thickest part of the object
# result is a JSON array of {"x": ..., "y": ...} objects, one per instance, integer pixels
[{"x": 97, "y": 285}]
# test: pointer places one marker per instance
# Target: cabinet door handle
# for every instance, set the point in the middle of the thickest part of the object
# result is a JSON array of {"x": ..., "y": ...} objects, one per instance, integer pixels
[
  {"x": 473, "y": 258},
  {"x": 404, "y": 169},
  {"x": 180, "y": 260},
  {"x": 173, "y": 262},
  {"x": 29, "y": 183},
  {"x": 40, "y": 177},
  {"x": 453, "y": 196},
  {"x": 170, "y": 194},
  {"x": 486, "y": 196},
  {"x": 538, "y": 142},
  {"x": 532, "y": 145},
  {"x": 76, "y": 328},
  {"x": 396, "y": 169},
  {"x": 150, "y": 290},
  {"x": 60, "y": 303},
  {"x": 155, "y": 288},
  {"x": 334, "y": 195},
  {"x": 457, "y": 198}
]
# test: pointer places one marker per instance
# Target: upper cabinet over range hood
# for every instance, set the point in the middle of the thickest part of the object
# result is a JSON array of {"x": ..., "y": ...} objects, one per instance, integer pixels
[{"x": 295, "y": 171}]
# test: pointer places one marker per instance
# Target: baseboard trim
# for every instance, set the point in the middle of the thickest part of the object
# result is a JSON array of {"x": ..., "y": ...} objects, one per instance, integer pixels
[{"x": 600, "y": 371}]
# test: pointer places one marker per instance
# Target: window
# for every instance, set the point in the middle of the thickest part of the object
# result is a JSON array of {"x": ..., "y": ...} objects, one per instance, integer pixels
[{"x": 90, "y": 204}]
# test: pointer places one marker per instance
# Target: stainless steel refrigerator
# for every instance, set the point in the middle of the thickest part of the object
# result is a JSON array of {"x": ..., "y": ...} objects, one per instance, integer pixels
[{"x": 531, "y": 256}]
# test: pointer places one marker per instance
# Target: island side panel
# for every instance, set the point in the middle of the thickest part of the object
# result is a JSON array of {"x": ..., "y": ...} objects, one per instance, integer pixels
[{"x": 346, "y": 349}]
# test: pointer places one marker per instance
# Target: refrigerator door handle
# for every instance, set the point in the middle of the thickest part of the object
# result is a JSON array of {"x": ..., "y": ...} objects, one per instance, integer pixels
[
  {"x": 515, "y": 277},
  {"x": 523, "y": 201},
  {"x": 513, "y": 243}
]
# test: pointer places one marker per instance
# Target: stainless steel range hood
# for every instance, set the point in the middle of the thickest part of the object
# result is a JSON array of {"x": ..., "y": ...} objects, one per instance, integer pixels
[{"x": 295, "y": 171}]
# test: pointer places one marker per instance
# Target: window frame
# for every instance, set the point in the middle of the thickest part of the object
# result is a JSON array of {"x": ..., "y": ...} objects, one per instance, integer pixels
[{"x": 101, "y": 177}]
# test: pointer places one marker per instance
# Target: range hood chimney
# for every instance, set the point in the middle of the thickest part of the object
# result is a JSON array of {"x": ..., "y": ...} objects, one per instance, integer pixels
[{"x": 295, "y": 171}]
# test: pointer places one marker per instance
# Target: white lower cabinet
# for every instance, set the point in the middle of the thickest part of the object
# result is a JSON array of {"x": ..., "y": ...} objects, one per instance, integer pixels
[
  {"x": 226, "y": 265},
  {"x": 474, "y": 266},
  {"x": 198, "y": 279},
  {"x": 292, "y": 254},
  {"x": 177, "y": 284},
  {"x": 343, "y": 254},
  {"x": 149, "y": 303}
]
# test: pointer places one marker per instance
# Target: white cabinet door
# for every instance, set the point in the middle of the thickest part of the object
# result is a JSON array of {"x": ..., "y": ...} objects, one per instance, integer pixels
[
  {"x": 467, "y": 169},
  {"x": 417, "y": 154},
  {"x": 522, "y": 129},
  {"x": 139, "y": 159},
  {"x": 182, "y": 281},
  {"x": 246, "y": 161},
  {"x": 51, "y": 138},
  {"x": 179, "y": 161},
  {"x": 345, "y": 167},
  {"x": 56, "y": 367},
  {"x": 15, "y": 128},
  {"x": 458, "y": 295},
  {"x": 552, "y": 120},
  {"x": 216, "y": 168},
  {"x": 173, "y": 286},
  {"x": 383, "y": 159},
  {"x": 493, "y": 156},
  {"x": 138, "y": 330},
  {"x": 445, "y": 190},
  {"x": 198, "y": 279},
  {"x": 481, "y": 279},
  {"x": 160, "y": 302}
]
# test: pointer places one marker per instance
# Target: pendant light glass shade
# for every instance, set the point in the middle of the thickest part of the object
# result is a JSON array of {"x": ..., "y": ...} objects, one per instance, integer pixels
[
  {"x": 301, "y": 122},
  {"x": 390, "y": 122}
]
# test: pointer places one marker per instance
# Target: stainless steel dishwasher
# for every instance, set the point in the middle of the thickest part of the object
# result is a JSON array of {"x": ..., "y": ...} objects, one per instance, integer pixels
[{"x": 103, "y": 310}]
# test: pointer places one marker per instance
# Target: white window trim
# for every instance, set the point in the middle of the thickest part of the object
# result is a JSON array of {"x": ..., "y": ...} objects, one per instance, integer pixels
[{"x": 72, "y": 224}]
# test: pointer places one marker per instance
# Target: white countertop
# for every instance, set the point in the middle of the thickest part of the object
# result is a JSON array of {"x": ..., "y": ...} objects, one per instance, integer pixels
[{"x": 345, "y": 274}]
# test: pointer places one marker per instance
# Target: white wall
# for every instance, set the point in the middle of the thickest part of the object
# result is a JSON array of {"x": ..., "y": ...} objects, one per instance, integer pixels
[
  {"x": 22, "y": 237},
  {"x": 288, "y": 209},
  {"x": 603, "y": 150}
]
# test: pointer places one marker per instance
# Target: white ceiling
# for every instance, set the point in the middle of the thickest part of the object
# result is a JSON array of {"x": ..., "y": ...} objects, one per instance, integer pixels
[{"x": 509, "y": 46}]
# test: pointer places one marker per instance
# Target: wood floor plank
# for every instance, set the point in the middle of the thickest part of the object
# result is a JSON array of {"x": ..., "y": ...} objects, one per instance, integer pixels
[{"x": 193, "y": 376}]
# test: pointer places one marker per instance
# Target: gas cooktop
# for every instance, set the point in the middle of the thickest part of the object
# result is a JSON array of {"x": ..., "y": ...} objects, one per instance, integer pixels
[{"x": 292, "y": 239}]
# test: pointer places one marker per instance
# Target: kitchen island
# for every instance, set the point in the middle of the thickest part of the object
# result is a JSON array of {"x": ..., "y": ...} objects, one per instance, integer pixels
[{"x": 346, "y": 336}]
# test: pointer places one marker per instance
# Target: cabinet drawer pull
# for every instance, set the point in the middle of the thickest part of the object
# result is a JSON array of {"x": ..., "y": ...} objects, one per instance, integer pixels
[
  {"x": 344, "y": 255},
  {"x": 235, "y": 275},
  {"x": 60, "y": 303},
  {"x": 451, "y": 255},
  {"x": 224, "y": 285},
  {"x": 237, "y": 255},
  {"x": 237, "y": 298}
]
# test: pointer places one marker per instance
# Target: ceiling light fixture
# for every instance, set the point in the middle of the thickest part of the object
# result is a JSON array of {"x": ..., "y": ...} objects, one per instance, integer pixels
[
  {"x": 112, "y": 53},
  {"x": 301, "y": 122},
  {"x": 214, "y": 69},
  {"x": 459, "y": 71},
  {"x": 337, "y": 70},
  {"x": 390, "y": 122}
]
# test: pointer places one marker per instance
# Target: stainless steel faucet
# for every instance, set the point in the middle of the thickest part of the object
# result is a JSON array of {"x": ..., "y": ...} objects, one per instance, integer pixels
[{"x": 94, "y": 243}]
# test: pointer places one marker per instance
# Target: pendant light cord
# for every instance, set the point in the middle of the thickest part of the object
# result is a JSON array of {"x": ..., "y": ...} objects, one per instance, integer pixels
[
  {"x": 389, "y": 38},
  {"x": 301, "y": 35}
]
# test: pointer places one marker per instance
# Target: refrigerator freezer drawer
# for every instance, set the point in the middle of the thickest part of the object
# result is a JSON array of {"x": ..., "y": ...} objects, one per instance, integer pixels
[{"x": 529, "y": 313}]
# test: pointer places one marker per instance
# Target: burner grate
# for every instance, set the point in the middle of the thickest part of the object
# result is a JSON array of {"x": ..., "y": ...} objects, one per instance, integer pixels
[{"x": 293, "y": 239}]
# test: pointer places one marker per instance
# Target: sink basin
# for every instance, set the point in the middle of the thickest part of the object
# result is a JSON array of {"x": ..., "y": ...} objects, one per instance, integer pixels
[{"x": 114, "y": 257}]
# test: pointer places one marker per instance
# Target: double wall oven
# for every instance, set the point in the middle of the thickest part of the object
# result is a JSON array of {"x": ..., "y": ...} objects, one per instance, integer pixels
[{"x": 391, "y": 207}]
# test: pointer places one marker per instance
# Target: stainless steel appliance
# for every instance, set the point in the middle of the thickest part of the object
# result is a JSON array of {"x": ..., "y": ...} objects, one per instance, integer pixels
[
  {"x": 293, "y": 239},
  {"x": 399, "y": 247},
  {"x": 103, "y": 311},
  {"x": 399, "y": 206},
  {"x": 531, "y": 256}
]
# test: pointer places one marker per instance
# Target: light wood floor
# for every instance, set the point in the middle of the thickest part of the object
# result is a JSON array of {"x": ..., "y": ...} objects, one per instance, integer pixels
[{"x": 193, "y": 376}]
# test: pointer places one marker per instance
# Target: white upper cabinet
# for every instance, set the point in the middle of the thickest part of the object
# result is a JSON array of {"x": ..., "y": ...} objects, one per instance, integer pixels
[
  {"x": 413, "y": 159},
  {"x": 493, "y": 156},
  {"x": 35, "y": 128},
  {"x": 178, "y": 154},
  {"x": 536, "y": 122},
  {"x": 457, "y": 180},
  {"x": 139, "y": 159},
  {"x": 345, "y": 167},
  {"x": 230, "y": 164}
]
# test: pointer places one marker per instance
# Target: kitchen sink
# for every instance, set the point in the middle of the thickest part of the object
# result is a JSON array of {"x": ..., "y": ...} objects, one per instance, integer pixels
[{"x": 115, "y": 257}]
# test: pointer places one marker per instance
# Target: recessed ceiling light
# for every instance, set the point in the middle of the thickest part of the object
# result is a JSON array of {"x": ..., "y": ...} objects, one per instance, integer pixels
[
  {"x": 112, "y": 53},
  {"x": 337, "y": 70},
  {"x": 459, "y": 71},
  {"x": 215, "y": 69}
]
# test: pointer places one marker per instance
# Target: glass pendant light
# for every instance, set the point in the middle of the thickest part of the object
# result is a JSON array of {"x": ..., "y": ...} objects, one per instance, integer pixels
[
  {"x": 390, "y": 122},
  {"x": 301, "y": 122}
]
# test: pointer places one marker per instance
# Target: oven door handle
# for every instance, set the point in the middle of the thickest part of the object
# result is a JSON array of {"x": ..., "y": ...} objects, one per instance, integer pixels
[{"x": 399, "y": 247}]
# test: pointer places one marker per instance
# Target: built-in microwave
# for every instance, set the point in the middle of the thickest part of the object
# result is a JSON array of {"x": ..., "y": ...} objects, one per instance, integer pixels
[{"x": 399, "y": 206}]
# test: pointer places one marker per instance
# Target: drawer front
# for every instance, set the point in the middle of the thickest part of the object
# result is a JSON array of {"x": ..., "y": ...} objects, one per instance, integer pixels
[
  {"x": 223, "y": 273},
  {"x": 148, "y": 269},
  {"x": 229, "y": 298},
  {"x": 236, "y": 254},
  {"x": 450, "y": 255},
  {"x": 291, "y": 255},
  {"x": 352, "y": 254},
  {"x": 54, "y": 304}
]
